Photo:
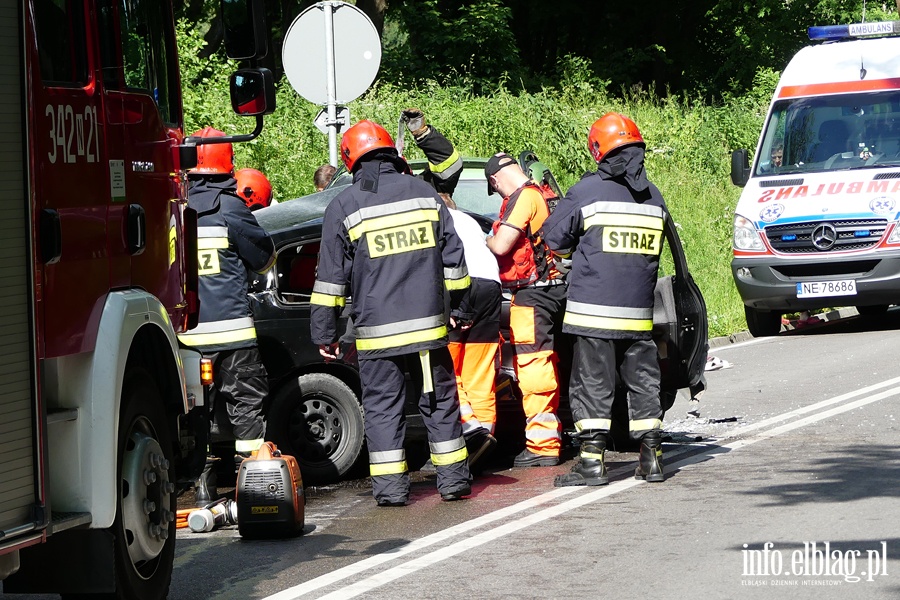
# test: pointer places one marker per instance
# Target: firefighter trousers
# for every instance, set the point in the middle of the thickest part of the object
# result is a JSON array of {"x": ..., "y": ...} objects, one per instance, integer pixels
[
  {"x": 240, "y": 388},
  {"x": 535, "y": 315},
  {"x": 592, "y": 387},
  {"x": 384, "y": 398},
  {"x": 476, "y": 358}
]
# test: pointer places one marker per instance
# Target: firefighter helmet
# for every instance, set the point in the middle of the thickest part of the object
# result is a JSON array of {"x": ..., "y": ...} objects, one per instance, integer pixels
[
  {"x": 214, "y": 158},
  {"x": 254, "y": 188},
  {"x": 611, "y": 131},
  {"x": 364, "y": 137}
]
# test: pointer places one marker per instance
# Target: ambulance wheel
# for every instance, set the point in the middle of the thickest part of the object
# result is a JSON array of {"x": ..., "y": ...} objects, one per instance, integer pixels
[
  {"x": 317, "y": 419},
  {"x": 872, "y": 311},
  {"x": 144, "y": 527},
  {"x": 762, "y": 323}
]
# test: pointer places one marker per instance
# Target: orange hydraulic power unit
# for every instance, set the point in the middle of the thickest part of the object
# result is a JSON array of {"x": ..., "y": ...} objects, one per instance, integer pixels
[{"x": 269, "y": 494}]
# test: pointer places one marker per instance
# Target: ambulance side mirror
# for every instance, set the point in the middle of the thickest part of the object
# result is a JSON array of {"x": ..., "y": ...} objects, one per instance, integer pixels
[
  {"x": 740, "y": 167},
  {"x": 245, "y": 29}
]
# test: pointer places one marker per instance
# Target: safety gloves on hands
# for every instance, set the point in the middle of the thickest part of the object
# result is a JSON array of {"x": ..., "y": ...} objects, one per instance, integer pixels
[{"x": 415, "y": 121}]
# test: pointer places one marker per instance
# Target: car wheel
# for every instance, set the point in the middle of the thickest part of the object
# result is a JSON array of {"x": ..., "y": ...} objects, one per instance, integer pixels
[
  {"x": 762, "y": 323},
  {"x": 872, "y": 311},
  {"x": 317, "y": 419}
]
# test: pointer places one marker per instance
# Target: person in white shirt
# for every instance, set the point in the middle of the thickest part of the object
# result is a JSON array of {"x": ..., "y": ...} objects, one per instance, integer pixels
[{"x": 476, "y": 349}]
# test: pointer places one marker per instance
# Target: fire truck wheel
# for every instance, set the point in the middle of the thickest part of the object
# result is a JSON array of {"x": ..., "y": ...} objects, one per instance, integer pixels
[
  {"x": 317, "y": 419},
  {"x": 144, "y": 527}
]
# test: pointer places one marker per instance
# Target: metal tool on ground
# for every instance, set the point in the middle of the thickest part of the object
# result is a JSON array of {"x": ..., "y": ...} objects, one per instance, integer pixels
[
  {"x": 270, "y": 498},
  {"x": 216, "y": 514}
]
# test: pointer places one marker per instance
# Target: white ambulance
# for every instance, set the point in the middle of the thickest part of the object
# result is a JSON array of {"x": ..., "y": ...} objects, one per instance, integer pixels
[{"x": 817, "y": 222}]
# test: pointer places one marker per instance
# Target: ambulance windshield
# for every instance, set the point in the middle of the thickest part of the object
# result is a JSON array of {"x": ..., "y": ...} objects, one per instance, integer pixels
[{"x": 831, "y": 133}]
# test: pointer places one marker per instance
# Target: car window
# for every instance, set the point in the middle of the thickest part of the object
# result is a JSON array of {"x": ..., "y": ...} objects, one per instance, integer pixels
[
  {"x": 296, "y": 269},
  {"x": 831, "y": 133},
  {"x": 471, "y": 195}
]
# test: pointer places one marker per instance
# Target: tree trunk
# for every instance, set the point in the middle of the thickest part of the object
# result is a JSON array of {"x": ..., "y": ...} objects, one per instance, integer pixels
[{"x": 376, "y": 9}]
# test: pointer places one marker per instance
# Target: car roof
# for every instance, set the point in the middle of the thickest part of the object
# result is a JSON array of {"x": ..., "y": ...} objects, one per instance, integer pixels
[
  {"x": 292, "y": 218},
  {"x": 289, "y": 214}
]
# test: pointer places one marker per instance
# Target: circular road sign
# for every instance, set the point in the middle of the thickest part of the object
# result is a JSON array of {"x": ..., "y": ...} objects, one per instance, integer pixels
[{"x": 357, "y": 53}]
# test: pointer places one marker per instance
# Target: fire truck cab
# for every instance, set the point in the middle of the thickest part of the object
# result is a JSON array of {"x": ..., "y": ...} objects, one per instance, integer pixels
[{"x": 99, "y": 426}]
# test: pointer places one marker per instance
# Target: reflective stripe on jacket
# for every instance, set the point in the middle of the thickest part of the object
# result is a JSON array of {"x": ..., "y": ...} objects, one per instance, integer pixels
[
  {"x": 615, "y": 236},
  {"x": 444, "y": 163},
  {"x": 229, "y": 242},
  {"x": 389, "y": 243}
]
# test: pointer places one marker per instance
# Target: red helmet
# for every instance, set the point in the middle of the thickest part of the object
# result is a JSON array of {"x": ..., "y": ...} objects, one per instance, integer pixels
[
  {"x": 254, "y": 188},
  {"x": 213, "y": 158},
  {"x": 362, "y": 138},
  {"x": 611, "y": 131}
]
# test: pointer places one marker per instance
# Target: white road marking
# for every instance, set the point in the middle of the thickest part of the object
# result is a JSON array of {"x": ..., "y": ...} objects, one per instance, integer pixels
[{"x": 587, "y": 496}]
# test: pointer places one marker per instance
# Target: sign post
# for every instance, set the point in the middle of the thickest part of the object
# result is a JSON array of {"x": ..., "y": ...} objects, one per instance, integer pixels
[{"x": 331, "y": 56}]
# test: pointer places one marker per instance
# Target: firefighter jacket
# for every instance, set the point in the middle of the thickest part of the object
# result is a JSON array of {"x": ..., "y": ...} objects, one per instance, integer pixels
[
  {"x": 529, "y": 261},
  {"x": 230, "y": 242},
  {"x": 444, "y": 163},
  {"x": 614, "y": 233},
  {"x": 388, "y": 242}
]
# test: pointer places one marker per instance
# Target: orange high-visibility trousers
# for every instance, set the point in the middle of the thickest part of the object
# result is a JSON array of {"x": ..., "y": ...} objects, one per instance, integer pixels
[
  {"x": 476, "y": 356},
  {"x": 475, "y": 365},
  {"x": 534, "y": 316}
]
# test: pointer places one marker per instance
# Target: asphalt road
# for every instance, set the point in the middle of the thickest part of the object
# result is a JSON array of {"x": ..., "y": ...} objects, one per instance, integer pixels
[{"x": 786, "y": 486}]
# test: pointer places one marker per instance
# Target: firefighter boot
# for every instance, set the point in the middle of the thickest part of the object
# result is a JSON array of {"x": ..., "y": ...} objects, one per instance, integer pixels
[
  {"x": 650, "y": 465},
  {"x": 591, "y": 468},
  {"x": 205, "y": 489}
]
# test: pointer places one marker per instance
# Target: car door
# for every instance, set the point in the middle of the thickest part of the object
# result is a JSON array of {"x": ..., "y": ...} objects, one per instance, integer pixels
[
  {"x": 280, "y": 304},
  {"x": 679, "y": 321}
]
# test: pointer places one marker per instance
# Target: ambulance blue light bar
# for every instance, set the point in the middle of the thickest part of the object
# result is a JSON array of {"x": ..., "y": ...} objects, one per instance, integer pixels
[{"x": 856, "y": 30}]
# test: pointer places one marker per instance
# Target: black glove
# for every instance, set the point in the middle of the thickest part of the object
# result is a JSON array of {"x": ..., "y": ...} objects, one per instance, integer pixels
[{"x": 415, "y": 121}]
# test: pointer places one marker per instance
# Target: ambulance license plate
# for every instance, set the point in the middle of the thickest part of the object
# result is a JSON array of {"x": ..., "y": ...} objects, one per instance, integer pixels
[{"x": 820, "y": 289}]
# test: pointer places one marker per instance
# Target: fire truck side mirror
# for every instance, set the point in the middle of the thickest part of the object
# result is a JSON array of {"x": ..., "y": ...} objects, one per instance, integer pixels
[
  {"x": 253, "y": 92},
  {"x": 245, "y": 29}
]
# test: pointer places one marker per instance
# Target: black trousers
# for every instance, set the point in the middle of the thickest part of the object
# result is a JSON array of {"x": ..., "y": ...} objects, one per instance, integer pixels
[
  {"x": 384, "y": 395},
  {"x": 592, "y": 387},
  {"x": 240, "y": 387}
]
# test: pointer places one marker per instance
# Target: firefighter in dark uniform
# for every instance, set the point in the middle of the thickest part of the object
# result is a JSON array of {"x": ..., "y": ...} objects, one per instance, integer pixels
[
  {"x": 389, "y": 244},
  {"x": 230, "y": 242},
  {"x": 611, "y": 223},
  {"x": 444, "y": 163}
]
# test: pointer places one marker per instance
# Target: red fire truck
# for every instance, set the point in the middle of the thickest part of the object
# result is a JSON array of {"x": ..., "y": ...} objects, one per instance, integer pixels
[{"x": 98, "y": 425}]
